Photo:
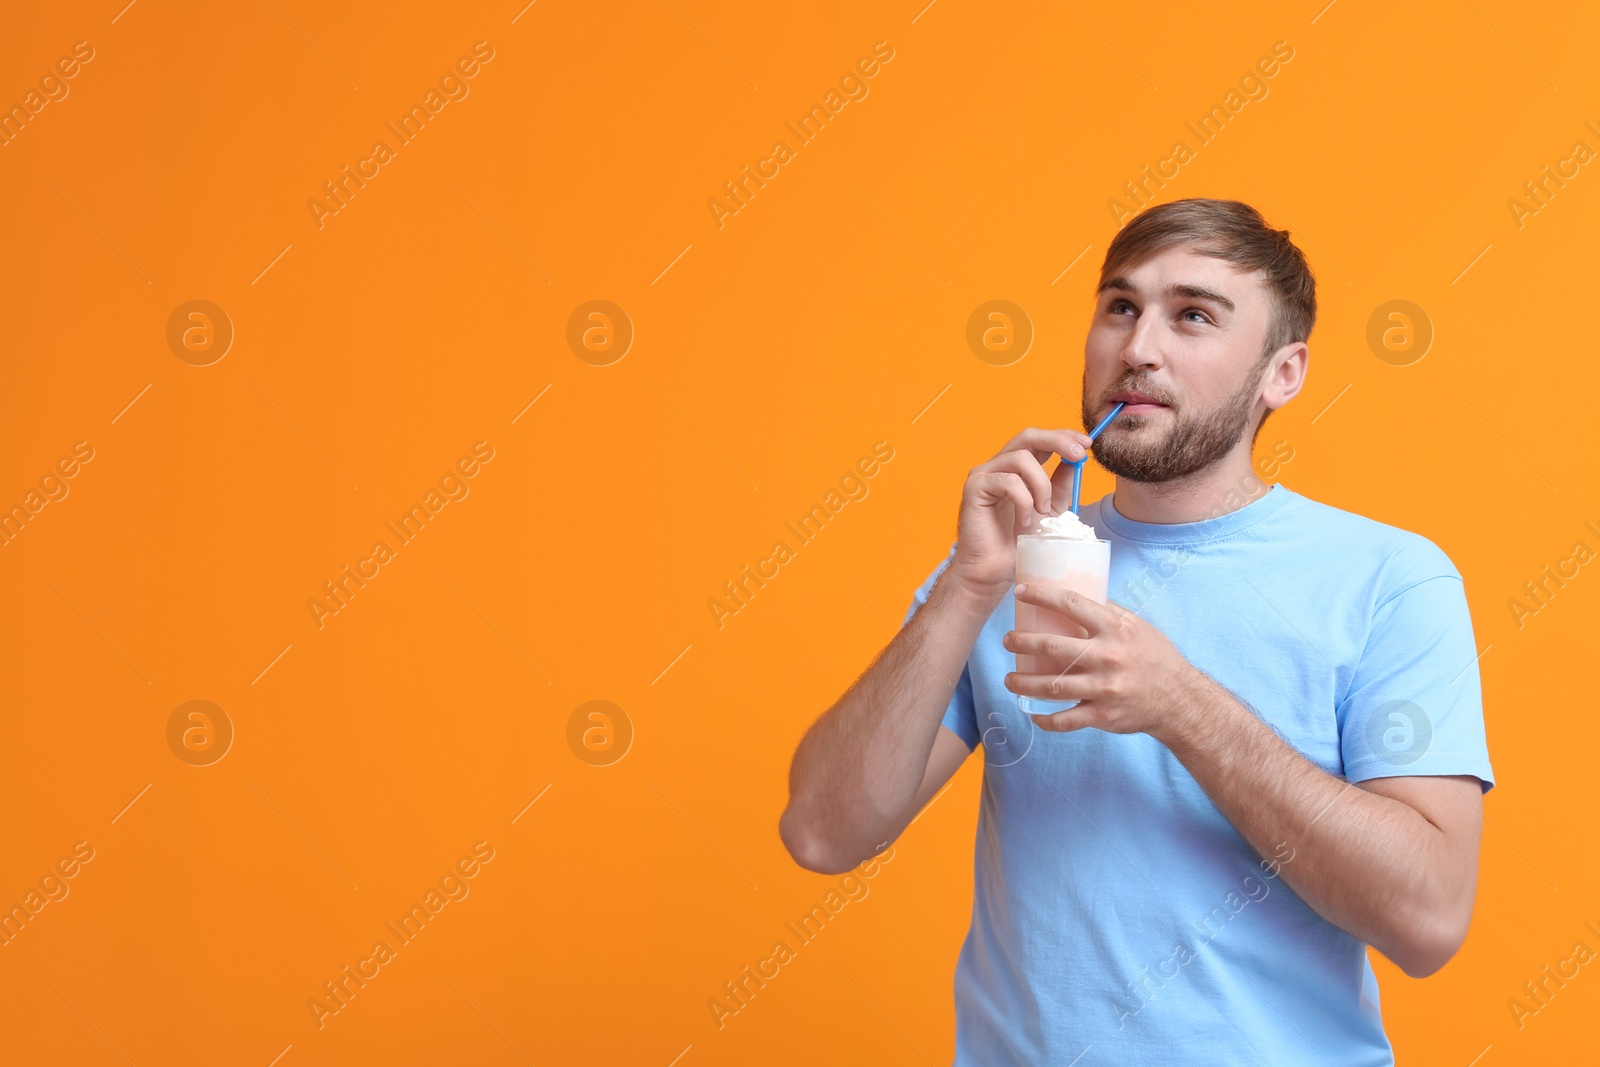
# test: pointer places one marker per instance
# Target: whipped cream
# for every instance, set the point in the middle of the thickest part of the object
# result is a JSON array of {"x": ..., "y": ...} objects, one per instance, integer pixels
[{"x": 1066, "y": 525}]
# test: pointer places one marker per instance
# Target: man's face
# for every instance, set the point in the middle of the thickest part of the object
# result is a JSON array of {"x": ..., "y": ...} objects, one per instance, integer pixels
[{"x": 1179, "y": 338}]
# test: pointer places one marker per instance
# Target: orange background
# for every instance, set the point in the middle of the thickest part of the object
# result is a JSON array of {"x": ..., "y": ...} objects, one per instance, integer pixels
[{"x": 769, "y": 355}]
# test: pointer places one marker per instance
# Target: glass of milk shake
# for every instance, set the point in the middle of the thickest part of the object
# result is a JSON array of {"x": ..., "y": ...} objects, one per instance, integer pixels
[{"x": 1065, "y": 553}]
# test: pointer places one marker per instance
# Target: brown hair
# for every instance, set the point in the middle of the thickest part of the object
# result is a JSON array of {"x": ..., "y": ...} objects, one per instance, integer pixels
[{"x": 1236, "y": 232}]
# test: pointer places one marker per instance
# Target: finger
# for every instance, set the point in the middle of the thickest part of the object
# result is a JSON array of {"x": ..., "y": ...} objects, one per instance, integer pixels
[
  {"x": 1061, "y": 486},
  {"x": 1068, "y": 651},
  {"x": 1057, "y": 687},
  {"x": 997, "y": 486},
  {"x": 1069, "y": 444},
  {"x": 1022, "y": 463},
  {"x": 1076, "y": 717},
  {"x": 1093, "y": 616}
]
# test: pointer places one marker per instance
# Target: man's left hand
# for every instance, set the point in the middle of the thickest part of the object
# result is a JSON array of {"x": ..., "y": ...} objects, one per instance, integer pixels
[{"x": 1126, "y": 676}]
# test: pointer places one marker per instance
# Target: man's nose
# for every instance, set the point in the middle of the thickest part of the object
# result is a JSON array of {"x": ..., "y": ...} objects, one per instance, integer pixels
[{"x": 1143, "y": 350}]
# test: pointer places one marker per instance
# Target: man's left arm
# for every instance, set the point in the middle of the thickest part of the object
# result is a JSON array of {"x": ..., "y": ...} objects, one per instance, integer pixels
[{"x": 1390, "y": 860}]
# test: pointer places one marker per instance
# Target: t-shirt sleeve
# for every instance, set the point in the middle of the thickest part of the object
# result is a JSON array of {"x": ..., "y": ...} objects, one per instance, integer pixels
[
  {"x": 961, "y": 714},
  {"x": 1415, "y": 703}
]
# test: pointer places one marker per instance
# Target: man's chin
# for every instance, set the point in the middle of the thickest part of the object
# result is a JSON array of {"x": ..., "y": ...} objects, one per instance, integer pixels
[
  {"x": 1140, "y": 451},
  {"x": 1134, "y": 473},
  {"x": 1135, "y": 468}
]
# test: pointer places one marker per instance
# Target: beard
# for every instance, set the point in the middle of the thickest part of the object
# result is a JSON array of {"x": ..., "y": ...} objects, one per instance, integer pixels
[{"x": 1195, "y": 442}]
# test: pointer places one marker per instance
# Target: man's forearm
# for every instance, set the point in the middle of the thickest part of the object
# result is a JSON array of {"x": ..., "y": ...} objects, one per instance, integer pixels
[
  {"x": 856, "y": 771},
  {"x": 1369, "y": 864}
]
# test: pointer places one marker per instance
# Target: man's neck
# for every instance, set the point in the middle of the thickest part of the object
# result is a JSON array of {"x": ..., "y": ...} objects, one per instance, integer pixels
[{"x": 1225, "y": 486}]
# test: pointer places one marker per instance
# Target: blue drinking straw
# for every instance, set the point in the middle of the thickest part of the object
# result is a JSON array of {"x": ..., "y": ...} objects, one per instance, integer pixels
[{"x": 1077, "y": 466}]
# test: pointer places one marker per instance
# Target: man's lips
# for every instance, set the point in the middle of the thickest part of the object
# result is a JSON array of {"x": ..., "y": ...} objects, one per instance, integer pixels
[{"x": 1136, "y": 403}]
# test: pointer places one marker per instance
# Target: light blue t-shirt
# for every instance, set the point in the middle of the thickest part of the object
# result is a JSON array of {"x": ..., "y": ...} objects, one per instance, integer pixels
[{"x": 1117, "y": 916}]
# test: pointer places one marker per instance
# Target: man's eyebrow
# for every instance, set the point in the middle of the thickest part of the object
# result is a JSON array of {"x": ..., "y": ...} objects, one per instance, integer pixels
[
  {"x": 1197, "y": 292},
  {"x": 1193, "y": 292}
]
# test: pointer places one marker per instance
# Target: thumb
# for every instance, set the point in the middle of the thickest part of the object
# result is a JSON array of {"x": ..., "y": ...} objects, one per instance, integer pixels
[
  {"x": 1061, "y": 488},
  {"x": 1077, "y": 717}
]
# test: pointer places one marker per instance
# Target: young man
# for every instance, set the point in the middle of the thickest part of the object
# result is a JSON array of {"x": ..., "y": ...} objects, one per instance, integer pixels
[{"x": 1277, "y": 757}]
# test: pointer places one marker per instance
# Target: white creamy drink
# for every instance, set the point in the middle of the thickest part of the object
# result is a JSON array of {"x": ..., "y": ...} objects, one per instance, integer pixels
[{"x": 1066, "y": 554}]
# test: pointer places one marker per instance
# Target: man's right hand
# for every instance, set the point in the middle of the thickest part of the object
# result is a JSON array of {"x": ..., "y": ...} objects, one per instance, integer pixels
[{"x": 1004, "y": 498}]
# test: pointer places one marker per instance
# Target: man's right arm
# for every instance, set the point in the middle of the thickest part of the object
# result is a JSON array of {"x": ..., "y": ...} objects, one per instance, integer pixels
[
  {"x": 872, "y": 760},
  {"x": 866, "y": 767}
]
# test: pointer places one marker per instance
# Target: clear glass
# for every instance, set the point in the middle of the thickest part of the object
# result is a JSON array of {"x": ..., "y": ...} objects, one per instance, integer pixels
[{"x": 1081, "y": 566}]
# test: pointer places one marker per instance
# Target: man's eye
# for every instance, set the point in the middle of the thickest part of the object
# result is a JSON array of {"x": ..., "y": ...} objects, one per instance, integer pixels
[
  {"x": 1117, "y": 305},
  {"x": 1197, "y": 311}
]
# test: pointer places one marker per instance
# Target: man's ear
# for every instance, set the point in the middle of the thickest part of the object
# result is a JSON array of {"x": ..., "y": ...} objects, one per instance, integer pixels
[{"x": 1285, "y": 375}]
